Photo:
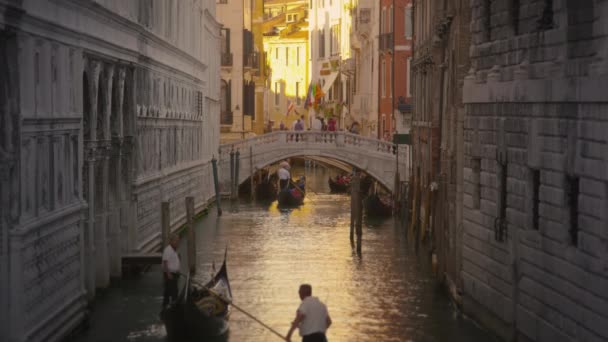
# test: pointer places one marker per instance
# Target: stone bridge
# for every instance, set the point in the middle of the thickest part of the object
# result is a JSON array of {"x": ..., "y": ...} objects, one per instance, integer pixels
[{"x": 375, "y": 157}]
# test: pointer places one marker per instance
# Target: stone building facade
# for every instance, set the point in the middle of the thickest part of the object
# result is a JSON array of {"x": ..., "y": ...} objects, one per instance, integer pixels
[
  {"x": 107, "y": 108},
  {"x": 395, "y": 50},
  {"x": 365, "y": 79},
  {"x": 535, "y": 244},
  {"x": 440, "y": 64},
  {"x": 239, "y": 68}
]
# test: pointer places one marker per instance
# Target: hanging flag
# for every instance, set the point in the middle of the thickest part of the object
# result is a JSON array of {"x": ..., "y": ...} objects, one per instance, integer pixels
[
  {"x": 290, "y": 107},
  {"x": 318, "y": 94},
  {"x": 308, "y": 101}
]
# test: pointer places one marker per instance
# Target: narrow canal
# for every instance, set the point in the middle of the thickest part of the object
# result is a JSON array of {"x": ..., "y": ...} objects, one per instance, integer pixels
[{"x": 387, "y": 294}]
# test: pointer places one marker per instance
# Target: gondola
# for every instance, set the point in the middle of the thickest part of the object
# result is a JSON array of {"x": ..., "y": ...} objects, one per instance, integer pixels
[
  {"x": 197, "y": 314},
  {"x": 292, "y": 196},
  {"x": 375, "y": 206},
  {"x": 336, "y": 187},
  {"x": 267, "y": 189}
]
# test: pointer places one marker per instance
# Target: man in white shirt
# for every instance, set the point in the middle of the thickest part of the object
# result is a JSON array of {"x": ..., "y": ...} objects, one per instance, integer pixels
[
  {"x": 317, "y": 125},
  {"x": 171, "y": 268},
  {"x": 312, "y": 317},
  {"x": 284, "y": 177}
]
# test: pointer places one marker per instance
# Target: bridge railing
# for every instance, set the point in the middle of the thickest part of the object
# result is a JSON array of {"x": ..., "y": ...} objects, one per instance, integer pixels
[{"x": 306, "y": 138}]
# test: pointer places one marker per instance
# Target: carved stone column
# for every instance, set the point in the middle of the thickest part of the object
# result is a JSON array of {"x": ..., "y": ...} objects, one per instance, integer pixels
[
  {"x": 93, "y": 70},
  {"x": 89, "y": 185},
  {"x": 102, "y": 227}
]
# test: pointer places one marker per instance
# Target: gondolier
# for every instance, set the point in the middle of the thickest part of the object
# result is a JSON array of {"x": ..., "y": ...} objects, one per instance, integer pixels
[
  {"x": 284, "y": 175},
  {"x": 312, "y": 317},
  {"x": 171, "y": 267}
]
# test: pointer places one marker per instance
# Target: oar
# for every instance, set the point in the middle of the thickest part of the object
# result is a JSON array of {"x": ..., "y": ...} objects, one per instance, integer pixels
[{"x": 240, "y": 309}]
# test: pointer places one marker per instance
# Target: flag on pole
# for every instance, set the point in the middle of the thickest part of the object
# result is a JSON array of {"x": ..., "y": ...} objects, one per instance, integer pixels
[
  {"x": 309, "y": 97},
  {"x": 290, "y": 107},
  {"x": 318, "y": 94}
]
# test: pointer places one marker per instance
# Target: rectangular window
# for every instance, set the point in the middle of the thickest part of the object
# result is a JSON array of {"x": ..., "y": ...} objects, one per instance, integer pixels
[
  {"x": 572, "y": 193},
  {"x": 383, "y": 20},
  {"x": 408, "y": 77},
  {"x": 287, "y": 56},
  {"x": 276, "y": 53},
  {"x": 335, "y": 39},
  {"x": 298, "y": 56},
  {"x": 390, "y": 20},
  {"x": 383, "y": 79},
  {"x": 535, "y": 198},
  {"x": 390, "y": 81},
  {"x": 277, "y": 94},
  {"x": 501, "y": 223},
  {"x": 322, "y": 43},
  {"x": 408, "y": 22},
  {"x": 298, "y": 100},
  {"x": 476, "y": 180}
]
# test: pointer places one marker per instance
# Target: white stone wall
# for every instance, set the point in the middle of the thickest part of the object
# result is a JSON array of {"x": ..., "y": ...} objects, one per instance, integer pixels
[
  {"x": 106, "y": 109},
  {"x": 535, "y": 102}
]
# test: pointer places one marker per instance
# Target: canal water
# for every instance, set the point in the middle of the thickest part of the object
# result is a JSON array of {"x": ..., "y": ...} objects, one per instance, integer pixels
[{"x": 386, "y": 294}]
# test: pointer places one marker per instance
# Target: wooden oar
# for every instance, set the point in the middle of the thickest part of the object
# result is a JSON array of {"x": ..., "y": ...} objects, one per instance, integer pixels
[{"x": 229, "y": 301}]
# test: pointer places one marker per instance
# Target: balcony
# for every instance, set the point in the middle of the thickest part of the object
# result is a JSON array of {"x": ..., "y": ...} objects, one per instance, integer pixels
[
  {"x": 251, "y": 60},
  {"x": 386, "y": 41},
  {"x": 226, "y": 59}
]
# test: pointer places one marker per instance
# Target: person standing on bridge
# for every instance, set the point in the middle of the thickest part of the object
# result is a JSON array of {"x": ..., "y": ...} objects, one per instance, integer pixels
[
  {"x": 312, "y": 317},
  {"x": 171, "y": 267}
]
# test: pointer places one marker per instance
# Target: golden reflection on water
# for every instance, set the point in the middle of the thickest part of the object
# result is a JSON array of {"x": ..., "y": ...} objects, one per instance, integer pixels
[{"x": 381, "y": 296}]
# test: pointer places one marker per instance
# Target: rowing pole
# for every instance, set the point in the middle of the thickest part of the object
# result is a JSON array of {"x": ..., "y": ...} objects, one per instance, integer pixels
[{"x": 229, "y": 301}]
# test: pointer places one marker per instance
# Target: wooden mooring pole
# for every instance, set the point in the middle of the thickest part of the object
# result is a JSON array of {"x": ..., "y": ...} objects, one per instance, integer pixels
[
  {"x": 232, "y": 174},
  {"x": 191, "y": 235},
  {"x": 165, "y": 222},
  {"x": 358, "y": 211},
  {"x": 216, "y": 185},
  {"x": 251, "y": 173}
]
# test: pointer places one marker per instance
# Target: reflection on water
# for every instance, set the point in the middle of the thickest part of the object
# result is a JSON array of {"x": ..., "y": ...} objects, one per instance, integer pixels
[
  {"x": 381, "y": 296},
  {"x": 385, "y": 295}
]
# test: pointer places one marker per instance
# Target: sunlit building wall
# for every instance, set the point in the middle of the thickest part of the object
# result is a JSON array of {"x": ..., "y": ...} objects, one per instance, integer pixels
[
  {"x": 286, "y": 50},
  {"x": 330, "y": 50},
  {"x": 240, "y": 62},
  {"x": 364, "y": 102}
]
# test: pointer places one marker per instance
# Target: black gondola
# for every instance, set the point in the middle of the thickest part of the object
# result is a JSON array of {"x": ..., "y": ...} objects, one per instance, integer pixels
[
  {"x": 375, "y": 206},
  {"x": 292, "y": 196},
  {"x": 336, "y": 187},
  {"x": 267, "y": 189},
  {"x": 197, "y": 314}
]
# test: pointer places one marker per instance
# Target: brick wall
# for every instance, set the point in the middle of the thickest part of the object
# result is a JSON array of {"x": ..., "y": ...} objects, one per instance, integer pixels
[{"x": 534, "y": 110}]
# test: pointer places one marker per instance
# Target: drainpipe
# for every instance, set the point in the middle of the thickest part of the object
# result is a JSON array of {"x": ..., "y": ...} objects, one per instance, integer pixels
[{"x": 393, "y": 73}]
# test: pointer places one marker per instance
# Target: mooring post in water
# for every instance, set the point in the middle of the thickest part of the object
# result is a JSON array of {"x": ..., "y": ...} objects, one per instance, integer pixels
[
  {"x": 231, "y": 174},
  {"x": 356, "y": 184},
  {"x": 237, "y": 161},
  {"x": 165, "y": 223},
  {"x": 251, "y": 173},
  {"x": 191, "y": 235},
  {"x": 216, "y": 184},
  {"x": 353, "y": 214}
]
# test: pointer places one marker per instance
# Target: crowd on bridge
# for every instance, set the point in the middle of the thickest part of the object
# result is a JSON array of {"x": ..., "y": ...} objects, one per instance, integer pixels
[{"x": 318, "y": 123}]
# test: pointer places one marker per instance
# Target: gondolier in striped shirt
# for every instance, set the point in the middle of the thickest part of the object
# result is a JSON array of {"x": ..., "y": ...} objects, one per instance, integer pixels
[
  {"x": 312, "y": 317},
  {"x": 171, "y": 267}
]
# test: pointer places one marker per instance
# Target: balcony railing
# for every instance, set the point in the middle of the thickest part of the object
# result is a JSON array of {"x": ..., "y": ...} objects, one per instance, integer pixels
[
  {"x": 251, "y": 60},
  {"x": 226, "y": 59},
  {"x": 386, "y": 41}
]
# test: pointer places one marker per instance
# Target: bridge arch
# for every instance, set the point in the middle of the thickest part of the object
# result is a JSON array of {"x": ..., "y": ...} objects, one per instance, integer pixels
[{"x": 375, "y": 157}]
